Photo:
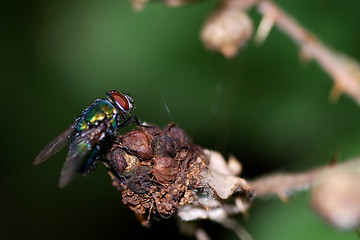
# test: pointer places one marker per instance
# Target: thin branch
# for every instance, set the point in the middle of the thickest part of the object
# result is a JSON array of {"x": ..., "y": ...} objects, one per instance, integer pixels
[
  {"x": 336, "y": 65},
  {"x": 344, "y": 70},
  {"x": 284, "y": 184}
]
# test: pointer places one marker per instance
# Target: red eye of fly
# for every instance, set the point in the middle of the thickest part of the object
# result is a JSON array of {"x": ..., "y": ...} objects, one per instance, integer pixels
[{"x": 121, "y": 101}]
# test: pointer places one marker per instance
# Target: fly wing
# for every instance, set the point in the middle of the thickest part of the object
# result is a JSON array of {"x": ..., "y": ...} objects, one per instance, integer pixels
[
  {"x": 56, "y": 145},
  {"x": 80, "y": 150}
]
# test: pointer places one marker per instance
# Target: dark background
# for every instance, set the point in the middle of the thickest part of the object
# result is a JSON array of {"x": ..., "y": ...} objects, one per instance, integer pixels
[{"x": 264, "y": 106}]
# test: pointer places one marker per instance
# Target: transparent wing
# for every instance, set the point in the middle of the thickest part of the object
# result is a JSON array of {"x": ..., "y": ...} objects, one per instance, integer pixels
[
  {"x": 80, "y": 150},
  {"x": 56, "y": 145}
]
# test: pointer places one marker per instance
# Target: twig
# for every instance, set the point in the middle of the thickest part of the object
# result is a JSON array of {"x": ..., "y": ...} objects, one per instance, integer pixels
[
  {"x": 331, "y": 62},
  {"x": 284, "y": 184},
  {"x": 344, "y": 70}
]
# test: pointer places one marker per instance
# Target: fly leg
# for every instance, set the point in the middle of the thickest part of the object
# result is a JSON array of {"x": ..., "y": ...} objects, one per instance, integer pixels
[{"x": 130, "y": 120}]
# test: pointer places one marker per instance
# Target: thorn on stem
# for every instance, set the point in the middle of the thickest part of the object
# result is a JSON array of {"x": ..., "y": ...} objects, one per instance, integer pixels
[
  {"x": 304, "y": 55},
  {"x": 265, "y": 27},
  {"x": 335, "y": 92},
  {"x": 283, "y": 196},
  {"x": 334, "y": 159}
]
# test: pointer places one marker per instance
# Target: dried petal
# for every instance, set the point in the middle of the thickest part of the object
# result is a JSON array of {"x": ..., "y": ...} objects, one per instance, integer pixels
[
  {"x": 132, "y": 164},
  {"x": 221, "y": 178}
]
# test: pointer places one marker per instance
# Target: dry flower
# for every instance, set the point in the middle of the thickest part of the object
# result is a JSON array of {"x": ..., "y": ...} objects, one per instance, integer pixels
[
  {"x": 336, "y": 198},
  {"x": 138, "y": 5},
  {"x": 176, "y": 3},
  {"x": 161, "y": 173},
  {"x": 227, "y": 30}
]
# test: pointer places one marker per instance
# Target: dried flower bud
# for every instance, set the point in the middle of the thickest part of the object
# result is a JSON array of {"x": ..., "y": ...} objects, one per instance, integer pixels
[
  {"x": 122, "y": 162},
  {"x": 164, "y": 145},
  {"x": 160, "y": 172},
  {"x": 165, "y": 169},
  {"x": 337, "y": 199},
  {"x": 118, "y": 162},
  {"x": 137, "y": 142},
  {"x": 138, "y": 5},
  {"x": 176, "y": 3},
  {"x": 177, "y": 134},
  {"x": 227, "y": 30}
]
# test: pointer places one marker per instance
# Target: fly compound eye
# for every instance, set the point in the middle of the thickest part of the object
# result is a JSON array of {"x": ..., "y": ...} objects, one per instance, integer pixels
[{"x": 122, "y": 101}]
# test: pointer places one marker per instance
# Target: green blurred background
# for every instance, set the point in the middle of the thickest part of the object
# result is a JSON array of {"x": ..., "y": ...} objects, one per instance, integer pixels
[{"x": 264, "y": 106}]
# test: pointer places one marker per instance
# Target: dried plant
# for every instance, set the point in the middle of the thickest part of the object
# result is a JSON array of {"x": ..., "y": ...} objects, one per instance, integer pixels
[
  {"x": 161, "y": 173},
  {"x": 335, "y": 195},
  {"x": 227, "y": 30}
]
